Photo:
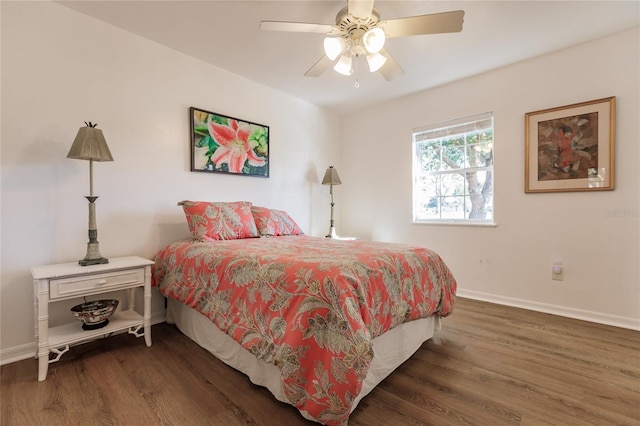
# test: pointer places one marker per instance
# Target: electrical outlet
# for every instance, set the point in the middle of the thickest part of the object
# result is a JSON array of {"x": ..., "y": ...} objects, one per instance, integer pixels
[{"x": 556, "y": 271}]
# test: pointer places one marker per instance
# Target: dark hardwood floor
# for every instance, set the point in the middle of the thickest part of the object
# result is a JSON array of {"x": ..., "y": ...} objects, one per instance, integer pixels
[{"x": 489, "y": 365}]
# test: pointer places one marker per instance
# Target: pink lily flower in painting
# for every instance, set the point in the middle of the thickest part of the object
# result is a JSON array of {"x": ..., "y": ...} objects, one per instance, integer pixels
[{"x": 234, "y": 148}]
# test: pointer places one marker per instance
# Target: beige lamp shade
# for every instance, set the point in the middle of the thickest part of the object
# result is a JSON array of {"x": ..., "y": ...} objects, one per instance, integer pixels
[
  {"x": 90, "y": 144},
  {"x": 331, "y": 177}
]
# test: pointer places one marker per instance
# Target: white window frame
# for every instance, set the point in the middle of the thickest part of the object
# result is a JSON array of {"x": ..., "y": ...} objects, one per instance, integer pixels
[{"x": 462, "y": 127}]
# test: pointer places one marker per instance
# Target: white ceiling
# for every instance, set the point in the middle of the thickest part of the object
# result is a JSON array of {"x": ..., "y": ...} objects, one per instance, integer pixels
[{"x": 495, "y": 33}]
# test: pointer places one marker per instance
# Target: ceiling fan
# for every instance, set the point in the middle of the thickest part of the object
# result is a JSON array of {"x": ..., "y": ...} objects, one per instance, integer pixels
[{"x": 359, "y": 31}]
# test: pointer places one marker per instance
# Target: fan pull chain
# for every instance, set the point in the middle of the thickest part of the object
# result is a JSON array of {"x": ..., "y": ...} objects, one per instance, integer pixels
[{"x": 355, "y": 71}]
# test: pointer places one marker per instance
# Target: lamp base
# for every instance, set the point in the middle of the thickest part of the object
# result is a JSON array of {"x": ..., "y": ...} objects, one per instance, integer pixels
[
  {"x": 98, "y": 261},
  {"x": 332, "y": 233},
  {"x": 93, "y": 256}
]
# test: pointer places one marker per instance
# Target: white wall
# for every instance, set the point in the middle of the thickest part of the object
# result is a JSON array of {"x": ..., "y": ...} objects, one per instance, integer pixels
[
  {"x": 511, "y": 263},
  {"x": 60, "y": 68}
]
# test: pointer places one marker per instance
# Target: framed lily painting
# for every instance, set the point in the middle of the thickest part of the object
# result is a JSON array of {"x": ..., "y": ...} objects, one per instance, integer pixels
[
  {"x": 223, "y": 144},
  {"x": 571, "y": 148}
]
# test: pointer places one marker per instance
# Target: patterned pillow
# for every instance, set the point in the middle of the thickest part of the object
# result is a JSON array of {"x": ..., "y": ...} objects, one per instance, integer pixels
[
  {"x": 219, "y": 221},
  {"x": 274, "y": 222}
]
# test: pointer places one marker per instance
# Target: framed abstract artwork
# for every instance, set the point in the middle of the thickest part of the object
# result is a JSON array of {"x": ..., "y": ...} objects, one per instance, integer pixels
[
  {"x": 571, "y": 148},
  {"x": 223, "y": 144}
]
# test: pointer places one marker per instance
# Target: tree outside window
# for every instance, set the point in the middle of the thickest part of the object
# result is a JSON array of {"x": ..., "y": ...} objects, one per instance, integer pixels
[{"x": 453, "y": 171}]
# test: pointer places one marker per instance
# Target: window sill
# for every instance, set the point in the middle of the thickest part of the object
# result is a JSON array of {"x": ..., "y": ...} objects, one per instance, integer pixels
[{"x": 456, "y": 223}]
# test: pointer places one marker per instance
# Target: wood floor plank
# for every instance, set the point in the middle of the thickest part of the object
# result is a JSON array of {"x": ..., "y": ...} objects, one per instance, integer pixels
[
  {"x": 186, "y": 399},
  {"x": 559, "y": 377},
  {"x": 122, "y": 401},
  {"x": 489, "y": 365},
  {"x": 458, "y": 406},
  {"x": 392, "y": 407}
]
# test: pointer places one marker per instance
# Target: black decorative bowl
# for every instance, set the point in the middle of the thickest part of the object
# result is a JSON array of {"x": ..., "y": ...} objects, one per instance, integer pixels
[{"x": 95, "y": 314}]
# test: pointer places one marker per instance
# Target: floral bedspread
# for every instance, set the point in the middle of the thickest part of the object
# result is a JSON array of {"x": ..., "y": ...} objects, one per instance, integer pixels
[{"x": 309, "y": 305}]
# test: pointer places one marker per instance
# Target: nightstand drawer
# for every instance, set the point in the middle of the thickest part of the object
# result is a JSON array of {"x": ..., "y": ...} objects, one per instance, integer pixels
[{"x": 69, "y": 287}]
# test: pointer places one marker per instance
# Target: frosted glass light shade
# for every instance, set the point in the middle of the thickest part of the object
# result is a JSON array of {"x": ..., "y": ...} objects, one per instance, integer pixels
[
  {"x": 375, "y": 61},
  {"x": 374, "y": 40},
  {"x": 344, "y": 65},
  {"x": 333, "y": 46}
]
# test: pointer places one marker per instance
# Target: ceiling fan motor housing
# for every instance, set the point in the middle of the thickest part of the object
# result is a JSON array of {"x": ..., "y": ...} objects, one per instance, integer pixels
[{"x": 353, "y": 29}]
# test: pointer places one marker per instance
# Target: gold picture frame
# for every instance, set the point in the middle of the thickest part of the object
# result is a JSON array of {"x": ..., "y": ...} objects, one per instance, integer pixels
[{"x": 571, "y": 148}]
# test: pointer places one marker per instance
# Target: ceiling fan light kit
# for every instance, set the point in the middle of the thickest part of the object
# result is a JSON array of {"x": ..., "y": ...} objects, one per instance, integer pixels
[
  {"x": 375, "y": 61},
  {"x": 334, "y": 46},
  {"x": 370, "y": 44},
  {"x": 359, "y": 31},
  {"x": 343, "y": 66},
  {"x": 374, "y": 40}
]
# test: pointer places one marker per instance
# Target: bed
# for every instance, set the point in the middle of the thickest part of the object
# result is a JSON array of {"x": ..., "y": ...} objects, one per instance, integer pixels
[{"x": 317, "y": 321}]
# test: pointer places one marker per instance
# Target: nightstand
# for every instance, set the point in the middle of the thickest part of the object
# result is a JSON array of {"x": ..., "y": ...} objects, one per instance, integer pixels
[{"x": 53, "y": 283}]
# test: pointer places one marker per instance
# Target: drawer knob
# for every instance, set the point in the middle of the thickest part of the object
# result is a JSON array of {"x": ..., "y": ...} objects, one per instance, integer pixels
[{"x": 102, "y": 282}]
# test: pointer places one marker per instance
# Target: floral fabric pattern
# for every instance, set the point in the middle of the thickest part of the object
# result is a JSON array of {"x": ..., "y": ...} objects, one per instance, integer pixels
[
  {"x": 210, "y": 221},
  {"x": 274, "y": 222},
  {"x": 309, "y": 305}
]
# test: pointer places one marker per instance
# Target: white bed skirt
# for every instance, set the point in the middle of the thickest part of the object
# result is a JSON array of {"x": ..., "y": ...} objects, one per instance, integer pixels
[{"x": 390, "y": 350}]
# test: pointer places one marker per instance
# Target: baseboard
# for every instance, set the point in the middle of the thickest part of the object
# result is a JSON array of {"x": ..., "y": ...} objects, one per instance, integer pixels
[
  {"x": 563, "y": 311},
  {"x": 18, "y": 353}
]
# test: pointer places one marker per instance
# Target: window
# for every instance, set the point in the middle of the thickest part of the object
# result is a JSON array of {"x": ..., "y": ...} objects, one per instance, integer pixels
[{"x": 453, "y": 171}]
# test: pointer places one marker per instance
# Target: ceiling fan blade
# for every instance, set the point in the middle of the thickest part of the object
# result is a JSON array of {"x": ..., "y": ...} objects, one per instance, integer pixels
[
  {"x": 360, "y": 9},
  {"x": 298, "y": 27},
  {"x": 319, "y": 67},
  {"x": 435, "y": 23},
  {"x": 390, "y": 69}
]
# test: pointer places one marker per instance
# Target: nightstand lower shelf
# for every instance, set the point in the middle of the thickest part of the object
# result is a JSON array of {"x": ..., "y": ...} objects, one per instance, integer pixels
[{"x": 71, "y": 333}]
